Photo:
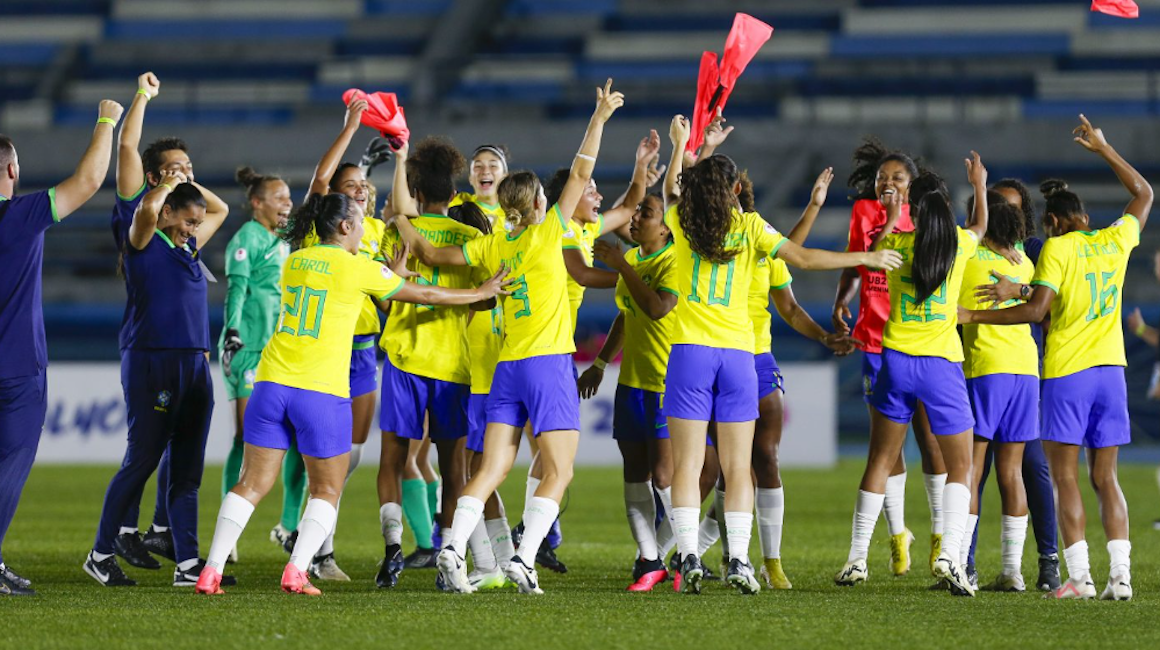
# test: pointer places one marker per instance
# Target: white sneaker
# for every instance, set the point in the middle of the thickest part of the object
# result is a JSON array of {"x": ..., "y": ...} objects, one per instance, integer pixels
[
  {"x": 453, "y": 571},
  {"x": 524, "y": 576},
  {"x": 949, "y": 570},
  {"x": 1119, "y": 588},
  {"x": 1010, "y": 582},
  {"x": 1072, "y": 589},
  {"x": 485, "y": 580},
  {"x": 326, "y": 568},
  {"x": 853, "y": 573}
]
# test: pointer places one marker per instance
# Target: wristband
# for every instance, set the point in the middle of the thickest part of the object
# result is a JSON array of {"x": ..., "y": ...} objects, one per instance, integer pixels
[
  {"x": 1141, "y": 329},
  {"x": 106, "y": 120},
  {"x": 599, "y": 363},
  {"x": 142, "y": 91},
  {"x": 166, "y": 186},
  {"x": 584, "y": 156}
]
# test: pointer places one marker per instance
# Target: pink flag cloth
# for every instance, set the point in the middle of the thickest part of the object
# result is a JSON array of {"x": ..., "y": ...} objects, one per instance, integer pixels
[
  {"x": 383, "y": 114},
  {"x": 1121, "y": 8},
  {"x": 715, "y": 81}
]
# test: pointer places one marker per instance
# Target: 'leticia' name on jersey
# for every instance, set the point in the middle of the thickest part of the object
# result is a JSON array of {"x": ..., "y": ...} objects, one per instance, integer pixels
[
  {"x": 304, "y": 264},
  {"x": 1098, "y": 250}
]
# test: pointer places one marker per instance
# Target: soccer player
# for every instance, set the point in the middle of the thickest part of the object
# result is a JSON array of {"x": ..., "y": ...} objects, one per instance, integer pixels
[
  {"x": 489, "y": 166},
  {"x": 23, "y": 381},
  {"x": 711, "y": 372},
  {"x": 922, "y": 362},
  {"x": 1079, "y": 279},
  {"x": 254, "y": 259},
  {"x": 302, "y": 387},
  {"x": 646, "y": 295},
  {"x": 878, "y": 173},
  {"x": 1151, "y": 336}
]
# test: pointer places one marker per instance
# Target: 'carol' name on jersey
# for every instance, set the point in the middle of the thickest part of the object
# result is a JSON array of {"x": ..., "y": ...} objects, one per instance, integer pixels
[{"x": 304, "y": 264}]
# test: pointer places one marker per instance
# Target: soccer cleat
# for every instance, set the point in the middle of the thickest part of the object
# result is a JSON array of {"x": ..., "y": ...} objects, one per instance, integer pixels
[
  {"x": 279, "y": 535},
  {"x": 1009, "y": 582},
  {"x": 1048, "y": 579},
  {"x": 773, "y": 575},
  {"x": 1119, "y": 588},
  {"x": 900, "y": 552},
  {"x": 1072, "y": 589},
  {"x": 452, "y": 572},
  {"x": 421, "y": 558},
  {"x": 740, "y": 576},
  {"x": 108, "y": 572},
  {"x": 8, "y": 574},
  {"x": 160, "y": 543},
  {"x": 191, "y": 577},
  {"x": 518, "y": 534},
  {"x": 972, "y": 576},
  {"x": 294, "y": 581},
  {"x": 955, "y": 576},
  {"x": 523, "y": 576},
  {"x": 692, "y": 571},
  {"x": 209, "y": 582},
  {"x": 546, "y": 557},
  {"x": 324, "y": 567},
  {"x": 233, "y": 556},
  {"x": 488, "y": 580},
  {"x": 852, "y": 574},
  {"x": 647, "y": 574},
  {"x": 391, "y": 567},
  {"x": 288, "y": 545},
  {"x": 128, "y": 547},
  {"x": 935, "y": 550},
  {"x": 13, "y": 585}
]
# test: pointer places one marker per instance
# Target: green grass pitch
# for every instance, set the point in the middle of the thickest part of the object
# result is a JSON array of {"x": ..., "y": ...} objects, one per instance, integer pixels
[{"x": 588, "y": 607}]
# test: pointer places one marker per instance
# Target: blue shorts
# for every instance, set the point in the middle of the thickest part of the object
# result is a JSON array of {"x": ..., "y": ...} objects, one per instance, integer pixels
[
  {"x": 23, "y": 406},
  {"x": 1088, "y": 408},
  {"x": 871, "y": 366},
  {"x": 278, "y": 415},
  {"x": 364, "y": 366},
  {"x": 1006, "y": 407},
  {"x": 705, "y": 383},
  {"x": 409, "y": 399},
  {"x": 637, "y": 415},
  {"x": 769, "y": 376},
  {"x": 476, "y": 422},
  {"x": 936, "y": 382},
  {"x": 540, "y": 389}
]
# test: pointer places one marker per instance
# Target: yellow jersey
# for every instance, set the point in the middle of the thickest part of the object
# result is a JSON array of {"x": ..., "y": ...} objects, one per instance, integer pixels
[
  {"x": 323, "y": 291},
  {"x": 770, "y": 274},
  {"x": 431, "y": 340},
  {"x": 926, "y": 329},
  {"x": 581, "y": 237},
  {"x": 1086, "y": 271},
  {"x": 536, "y": 318},
  {"x": 484, "y": 341},
  {"x": 714, "y": 309},
  {"x": 996, "y": 349},
  {"x": 494, "y": 212},
  {"x": 370, "y": 246},
  {"x": 646, "y": 341}
]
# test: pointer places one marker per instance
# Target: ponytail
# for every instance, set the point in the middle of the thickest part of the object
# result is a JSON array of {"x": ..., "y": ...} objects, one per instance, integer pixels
[
  {"x": 320, "y": 214},
  {"x": 936, "y": 243},
  {"x": 1060, "y": 201},
  {"x": 469, "y": 214}
]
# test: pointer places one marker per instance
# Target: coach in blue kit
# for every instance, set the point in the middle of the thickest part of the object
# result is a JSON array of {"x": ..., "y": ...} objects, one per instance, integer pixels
[{"x": 23, "y": 384}]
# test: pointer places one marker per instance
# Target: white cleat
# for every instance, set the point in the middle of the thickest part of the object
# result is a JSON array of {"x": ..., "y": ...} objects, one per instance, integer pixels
[
  {"x": 1072, "y": 589},
  {"x": 740, "y": 576},
  {"x": 326, "y": 568},
  {"x": 1009, "y": 582},
  {"x": 279, "y": 535},
  {"x": 1119, "y": 588},
  {"x": 523, "y": 576},
  {"x": 453, "y": 571},
  {"x": 852, "y": 574},
  {"x": 949, "y": 570}
]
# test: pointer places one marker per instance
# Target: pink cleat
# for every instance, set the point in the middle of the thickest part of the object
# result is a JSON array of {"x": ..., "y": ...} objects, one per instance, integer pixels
[
  {"x": 649, "y": 580},
  {"x": 209, "y": 582},
  {"x": 294, "y": 581}
]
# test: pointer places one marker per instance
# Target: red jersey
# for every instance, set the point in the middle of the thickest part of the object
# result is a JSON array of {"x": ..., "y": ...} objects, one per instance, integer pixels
[{"x": 866, "y": 221}]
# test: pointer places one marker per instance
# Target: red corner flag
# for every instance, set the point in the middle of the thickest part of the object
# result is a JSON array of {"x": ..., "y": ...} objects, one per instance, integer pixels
[
  {"x": 1120, "y": 8},
  {"x": 715, "y": 83},
  {"x": 383, "y": 114}
]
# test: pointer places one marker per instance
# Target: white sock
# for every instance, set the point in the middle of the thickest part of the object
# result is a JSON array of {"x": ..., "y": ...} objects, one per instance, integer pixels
[
  {"x": 317, "y": 524},
  {"x": 328, "y": 544},
  {"x": 1075, "y": 557},
  {"x": 719, "y": 507},
  {"x": 770, "y": 516},
  {"x": 1011, "y": 541},
  {"x": 968, "y": 534},
  {"x": 391, "y": 522},
  {"x": 157, "y": 529},
  {"x": 738, "y": 529},
  {"x": 866, "y": 511},
  {"x": 666, "y": 539},
  {"x": 530, "y": 490},
  {"x": 480, "y": 544},
  {"x": 127, "y": 529},
  {"x": 895, "y": 503},
  {"x": 100, "y": 557},
  {"x": 956, "y": 507},
  {"x": 232, "y": 518},
  {"x": 468, "y": 512},
  {"x": 539, "y": 514},
  {"x": 188, "y": 564},
  {"x": 500, "y": 535},
  {"x": 707, "y": 535},
  {"x": 935, "y": 484},
  {"x": 685, "y": 527},
  {"x": 356, "y": 450},
  {"x": 641, "y": 509},
  {"x": 1120, "y": 551}
]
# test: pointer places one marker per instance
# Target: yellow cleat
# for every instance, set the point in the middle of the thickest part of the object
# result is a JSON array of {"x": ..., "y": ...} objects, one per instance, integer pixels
[
  {"x": 773, "y": 576},
  {"x": 935, "y": 549},
  {"x": 900, "y": 552}
]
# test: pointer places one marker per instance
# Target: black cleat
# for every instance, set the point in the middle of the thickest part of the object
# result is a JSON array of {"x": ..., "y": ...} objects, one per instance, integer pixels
[
  {"x": 518, "y": 534},
  {"x": 1048, "y": 579},
  {"x": 691, "y": 573},
  {"x": 8, "y": 574},
  {"x": 108, "y": 572},
  {"x": 129, "y": 547},
  {"x": 160, "y": 543},
  {"x": 708, "y": 574},
  {"x": 546, "y": 557},
  {"x": 972, "y": 575},
  {"x": 391, "y": 568},
  {"x": 189, "y": 578},
  {"x": 13, "y": 585},
  {"x": 421, "y": 558},
  {"x": 641, "y": 567},
  {"x": 289, "y": 542}
]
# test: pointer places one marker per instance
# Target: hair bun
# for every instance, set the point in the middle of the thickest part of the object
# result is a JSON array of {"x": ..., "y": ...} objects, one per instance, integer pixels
[
  {"x": 247, "y": 177},
  {"x": 1052, "y": 186}
]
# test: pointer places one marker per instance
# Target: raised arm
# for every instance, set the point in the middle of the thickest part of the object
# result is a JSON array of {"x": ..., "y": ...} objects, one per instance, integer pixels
[
  {"x": 655, "y": 304},
  {"x": 1092, "y": 139},
  {"x": 977, "y": 176},
  {"x": 589, "y": 382},
  {"x": 645, "y": 170},
  {"x": 802, "y": 228},
  {"x": 74, "y": 191},
  {"x": 715, "y": 135},
  {"x": 816, "y": 259},
  {"x": 401, "y": 201},
  {"x": 130, "y": 171},
  {"x": 607, "y": 101},
  {"x": 320, "y": 182},
  {"x": 679, "y": 136},
  {"x": 893, "y": 204},
  {"x": 799, "y": 319},
  {"x": 216, "y": 211},
  {"x": 145, "y": 219}
]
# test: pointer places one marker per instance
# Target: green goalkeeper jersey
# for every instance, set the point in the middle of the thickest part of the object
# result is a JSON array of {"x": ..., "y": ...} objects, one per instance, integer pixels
[{"x": 254, "y": 259}]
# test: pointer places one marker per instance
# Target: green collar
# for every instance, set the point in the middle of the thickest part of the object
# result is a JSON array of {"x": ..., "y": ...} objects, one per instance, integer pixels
[
  {"x": 169, "y": 241},
  {"x": 642, "y": 258},
  {"x": 434, "y": 216},
  {"x": 511, "y": 238},
  {"x": 328, "y": 246}
]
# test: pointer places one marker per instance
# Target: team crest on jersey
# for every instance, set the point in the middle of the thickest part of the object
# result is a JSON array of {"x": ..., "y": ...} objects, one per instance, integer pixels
[
  {"x": 163, "y": 400},
  {"x": 240, "y": 254},
  {"x": 770, "y": 229},
  {"x": 1117, "y": 223},
  {"x": 569, "y": 233},
  {"x": 375, "y": 246},
  {"x": 248, "y": 376},
  {"x": 387, "y": 273}
]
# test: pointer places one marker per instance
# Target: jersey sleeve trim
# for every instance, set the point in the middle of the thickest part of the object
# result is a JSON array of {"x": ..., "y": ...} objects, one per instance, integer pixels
[
  {"x": 777, "y": 247},
  {"x": 52, "y": 204},
  {"x": 466, "y": 257},
  {"x": 1044, "y": 283},
  {"x": 571, "y": 248},
  {"x": 668, "y": 290},
  {"x": 782, "y": 285},
  {"x": 393, "y": 291},
  {"x": 135, "y": 194}
]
